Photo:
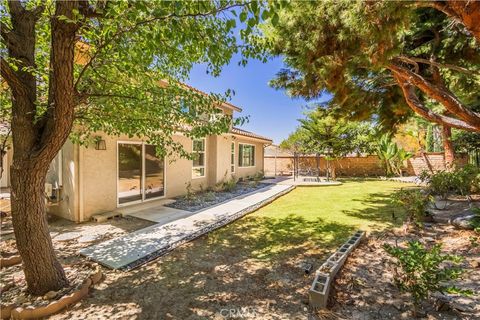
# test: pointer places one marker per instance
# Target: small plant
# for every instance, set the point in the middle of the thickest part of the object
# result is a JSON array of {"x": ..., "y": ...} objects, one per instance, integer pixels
[
  {"x": 475, "y": 222},
  {"x": 209, "y": 196},
  {"x": 258, "y": 176},
  {"x": 421, "y": 272},
  {"x": 190, "y": 195},
  {"x": 415, "y": 203},
  {"x": 230, "y": 185}
]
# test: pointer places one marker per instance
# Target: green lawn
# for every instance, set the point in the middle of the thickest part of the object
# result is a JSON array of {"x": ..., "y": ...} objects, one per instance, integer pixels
[
  {"x": 253, "y": 262},
  {"x": 309, "y": 217}
]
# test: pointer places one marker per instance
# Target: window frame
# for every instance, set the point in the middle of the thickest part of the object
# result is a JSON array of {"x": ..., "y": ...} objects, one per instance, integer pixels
[
  {"x": 232, "y": 157},
  {"x": 204, "y": 166},
  {"x": 240, "y": 155}
]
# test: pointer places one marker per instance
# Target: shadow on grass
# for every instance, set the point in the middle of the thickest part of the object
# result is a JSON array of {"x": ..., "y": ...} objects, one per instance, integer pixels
[
  {"x": 378, "y": 208},
  {"x": 251, "y": 263}
]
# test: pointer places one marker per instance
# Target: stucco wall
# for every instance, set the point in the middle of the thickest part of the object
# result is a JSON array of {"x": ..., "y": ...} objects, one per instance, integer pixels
[
  {"x": 242, "y": 172},
  {"x": 7, "y": 162},
  {"x": 90, "y": 175},
  {"x": 68, "y": 206}
]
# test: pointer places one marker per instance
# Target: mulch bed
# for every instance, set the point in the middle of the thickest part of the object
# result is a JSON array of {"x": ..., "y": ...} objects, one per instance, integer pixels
[
  {"x": 207, "y": 199},
  {"x": 16, "y": 286}
]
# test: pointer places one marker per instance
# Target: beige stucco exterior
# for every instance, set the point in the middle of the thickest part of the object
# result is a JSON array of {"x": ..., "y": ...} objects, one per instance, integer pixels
[{"x": 89, "y": 176}]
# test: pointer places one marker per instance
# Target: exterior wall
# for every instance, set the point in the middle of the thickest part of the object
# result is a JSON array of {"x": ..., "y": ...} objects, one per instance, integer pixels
[
  {"x": 432, "y": 162},
  {"x": 90, "y": 176},
  {"x": 68, "y": 204},
  {"x": 7, "y": 161},
  {"x": 243, "y": 172},
  {"x": 358, "y": 166}
]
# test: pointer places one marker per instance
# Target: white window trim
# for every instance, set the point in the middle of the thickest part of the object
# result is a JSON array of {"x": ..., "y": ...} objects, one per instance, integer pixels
[
  {"x": 254, "y": 156},
  {"x": 204, "y": 159},
  {"x": 144, "y": 199},
  {"x": 232, "y": 165}
]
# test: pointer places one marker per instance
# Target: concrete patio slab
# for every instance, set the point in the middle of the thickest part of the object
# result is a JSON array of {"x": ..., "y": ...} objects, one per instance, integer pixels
[
  {"x": 146, "y": 244},
  {"x": 302, "y": 181}
]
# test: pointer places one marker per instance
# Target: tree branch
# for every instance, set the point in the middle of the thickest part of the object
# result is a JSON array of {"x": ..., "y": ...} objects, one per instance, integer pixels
[
  {"x": 147, "y": 21},
  {"x": 440, "y": 94},
  {"x": 465, "y": 12},
  {"x": 414, "y": 60},
  {"x": 11, "y": 77},
  {"x": 417, "y": 106}
]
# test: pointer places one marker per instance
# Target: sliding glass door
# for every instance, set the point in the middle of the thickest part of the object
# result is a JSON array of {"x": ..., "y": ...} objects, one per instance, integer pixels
[
  {"x": 154, "y": 173},
  {"x": 141, "y": 173}
]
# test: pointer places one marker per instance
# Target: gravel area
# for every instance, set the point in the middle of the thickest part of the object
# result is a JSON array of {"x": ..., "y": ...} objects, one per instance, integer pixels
[{"x": 207, "y": 199}]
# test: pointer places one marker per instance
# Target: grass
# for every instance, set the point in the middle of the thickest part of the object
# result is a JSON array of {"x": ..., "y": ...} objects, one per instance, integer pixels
[
  {"x": 309, "y": 218},
  {"x": 253, "y": 262}
]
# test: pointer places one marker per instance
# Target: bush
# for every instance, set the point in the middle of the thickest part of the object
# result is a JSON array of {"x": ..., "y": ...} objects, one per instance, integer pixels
[
  {"x": 462, "y": 181},
  {"x": 258, "y": 176},
  {"x": 415, "y": 203},
  {"x": 421, "y": 272},
  {"x": 230, "y": 185},
  {"x": 476, "y": 220}
]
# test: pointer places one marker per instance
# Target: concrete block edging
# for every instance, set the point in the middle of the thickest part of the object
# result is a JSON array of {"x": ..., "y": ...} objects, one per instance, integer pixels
[{"x": 325, "y": 274}]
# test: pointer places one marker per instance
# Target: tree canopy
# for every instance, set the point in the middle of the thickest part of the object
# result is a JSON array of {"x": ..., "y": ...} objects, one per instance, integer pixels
[
  {"x": 322, "y": 133},
  {"x": 380, "y": 60},
  {"x": 113, "y": 66}
]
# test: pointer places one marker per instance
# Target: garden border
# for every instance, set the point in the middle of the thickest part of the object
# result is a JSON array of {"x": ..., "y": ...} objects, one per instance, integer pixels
[
  {"x": 14, "y": 312},
  {"x": 324, "y": 275}
]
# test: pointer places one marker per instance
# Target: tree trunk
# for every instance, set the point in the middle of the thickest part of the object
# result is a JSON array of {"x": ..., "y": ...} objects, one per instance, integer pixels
[
  {"x": 448, "y": 148},
  {"x": 466, "y": 12},
  {"x": 38, "y": 136},
  {"x": 43, "y": 272}
]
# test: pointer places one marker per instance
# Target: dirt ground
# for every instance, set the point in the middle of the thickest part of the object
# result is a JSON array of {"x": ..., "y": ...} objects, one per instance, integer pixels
[
  {"x": 364, "y": 288},
  {"x": 216, "y": 277}
]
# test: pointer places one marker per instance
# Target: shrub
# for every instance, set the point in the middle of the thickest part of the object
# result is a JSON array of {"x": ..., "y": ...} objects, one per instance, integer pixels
[
  {"x": 439, "y": 184},
  {"x": 462, "y": 181},
  {"x": 230, "y": 185},
  {"x": 476, "y": 220},
  {"x": 258, "y": 176},
  {"x": 421, "y": 272},
  {"x": 209, "y": 196},
  {"x": 190, "y": 195},
  {"x": 415, "y": 203}
]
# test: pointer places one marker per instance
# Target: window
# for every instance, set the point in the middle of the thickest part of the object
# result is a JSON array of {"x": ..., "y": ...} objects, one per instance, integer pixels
[
  {"x": 232, "y": 158},
  {"x": 246, "y": 155},
  {"x": 198, "y": 169}
]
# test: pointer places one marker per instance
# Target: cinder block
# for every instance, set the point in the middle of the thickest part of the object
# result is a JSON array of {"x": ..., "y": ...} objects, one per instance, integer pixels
[
  {"x": 318, "y": 293},
  {"x": 327, "y": 268}
]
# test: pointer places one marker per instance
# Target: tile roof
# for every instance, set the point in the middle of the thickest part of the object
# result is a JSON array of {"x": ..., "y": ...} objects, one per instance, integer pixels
[{"x": 249, "y": 134}]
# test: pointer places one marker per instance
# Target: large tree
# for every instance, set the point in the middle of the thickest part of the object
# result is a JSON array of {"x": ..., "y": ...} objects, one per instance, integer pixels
[
  {"x": 98, "y": 65},
  {"x": 321, "y": 133},
  {"x": 381, "y": 60}
]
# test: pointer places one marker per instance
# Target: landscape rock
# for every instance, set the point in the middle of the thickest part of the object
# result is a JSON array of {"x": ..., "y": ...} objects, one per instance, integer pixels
[
  {"x": 50, "y": 295},
  {"x": 464, "y": 222}
]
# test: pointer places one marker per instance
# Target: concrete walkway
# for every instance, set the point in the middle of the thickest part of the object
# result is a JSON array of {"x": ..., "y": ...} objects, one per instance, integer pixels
[{"x": 146, "y": 244}]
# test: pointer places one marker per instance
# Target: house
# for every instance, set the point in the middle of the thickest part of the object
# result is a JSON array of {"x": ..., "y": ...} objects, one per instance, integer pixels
[{"x": 121, "y": 171}]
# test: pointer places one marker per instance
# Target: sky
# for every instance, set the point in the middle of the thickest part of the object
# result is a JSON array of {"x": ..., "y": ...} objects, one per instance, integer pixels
[{"x": 271, "y": 112}]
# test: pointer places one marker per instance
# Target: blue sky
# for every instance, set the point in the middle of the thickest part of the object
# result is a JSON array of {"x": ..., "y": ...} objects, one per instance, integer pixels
[{"x": 272, "y": 113}]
